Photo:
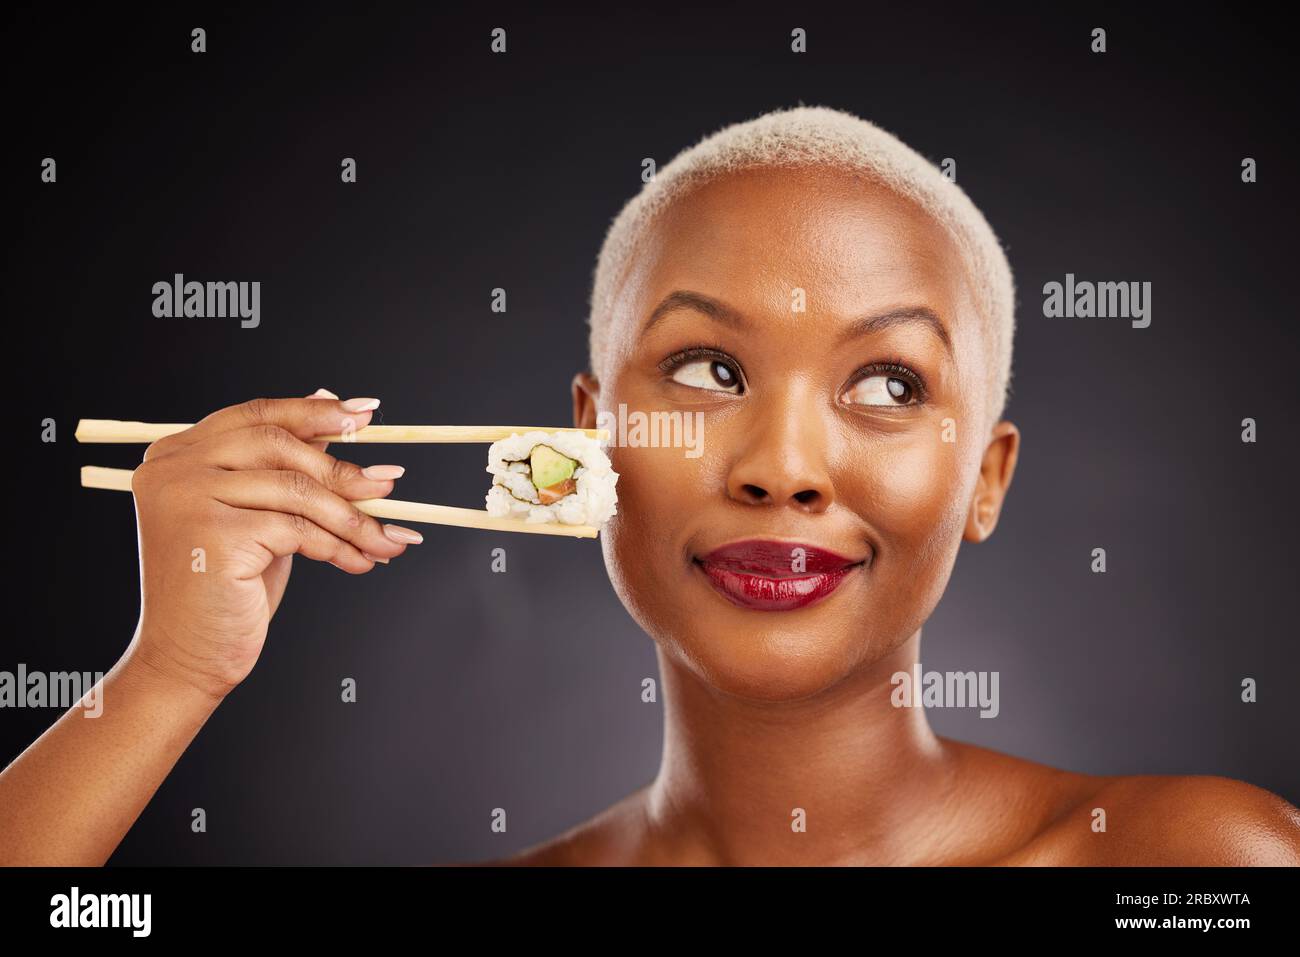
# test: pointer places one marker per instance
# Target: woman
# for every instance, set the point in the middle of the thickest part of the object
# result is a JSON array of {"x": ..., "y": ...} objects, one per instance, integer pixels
[{"x": 840, "y": 317}]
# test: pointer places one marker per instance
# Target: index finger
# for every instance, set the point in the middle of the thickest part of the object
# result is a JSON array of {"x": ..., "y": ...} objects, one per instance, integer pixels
[
  {"x": 321, "y": 393},
  {"x": 305, "y": 418}
]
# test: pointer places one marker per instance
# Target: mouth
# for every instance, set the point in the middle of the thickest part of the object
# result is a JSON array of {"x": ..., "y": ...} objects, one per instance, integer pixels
[{"x": 765, "y": 575}]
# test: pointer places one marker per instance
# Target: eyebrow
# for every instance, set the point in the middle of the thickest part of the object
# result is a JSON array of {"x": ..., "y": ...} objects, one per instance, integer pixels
[
  {"x": 918, "y": 315},
  {"x": 725, "y": 315},
  {"x": 682, "y": 299}
]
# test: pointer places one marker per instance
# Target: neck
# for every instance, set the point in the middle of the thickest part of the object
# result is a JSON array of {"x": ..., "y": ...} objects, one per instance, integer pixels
[{"x": 734, "y": 773}]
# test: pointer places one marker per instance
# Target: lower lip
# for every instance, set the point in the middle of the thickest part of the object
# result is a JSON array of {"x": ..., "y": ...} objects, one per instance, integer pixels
[{"x": 759, "y": 593}]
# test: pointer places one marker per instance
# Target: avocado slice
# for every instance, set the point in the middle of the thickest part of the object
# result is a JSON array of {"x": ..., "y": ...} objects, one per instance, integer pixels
[{"x": 549, "y": 467}]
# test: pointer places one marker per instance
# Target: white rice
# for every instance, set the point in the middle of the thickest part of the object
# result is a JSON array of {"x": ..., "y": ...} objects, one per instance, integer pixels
[{"x": 594, "y": 502}]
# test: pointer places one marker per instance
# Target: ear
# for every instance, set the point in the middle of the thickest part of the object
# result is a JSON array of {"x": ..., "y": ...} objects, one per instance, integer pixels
[
  {"x": 996, "y": 470},
  {"x": 586, "y": 393}
]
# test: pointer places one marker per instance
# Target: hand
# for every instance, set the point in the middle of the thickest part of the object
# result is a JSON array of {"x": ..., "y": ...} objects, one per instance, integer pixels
[{"x": 249, "y": 487}]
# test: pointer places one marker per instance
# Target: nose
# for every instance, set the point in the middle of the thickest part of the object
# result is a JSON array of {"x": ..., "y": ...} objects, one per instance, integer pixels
[{"x": 782, "y": 461}]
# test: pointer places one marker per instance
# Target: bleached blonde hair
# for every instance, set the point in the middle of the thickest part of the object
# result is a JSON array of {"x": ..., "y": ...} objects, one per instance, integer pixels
[{"x": 819, "y": 135}]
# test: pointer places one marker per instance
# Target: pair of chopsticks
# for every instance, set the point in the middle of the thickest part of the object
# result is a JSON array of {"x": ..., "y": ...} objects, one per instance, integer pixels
[{"x": 119, "y": 480}]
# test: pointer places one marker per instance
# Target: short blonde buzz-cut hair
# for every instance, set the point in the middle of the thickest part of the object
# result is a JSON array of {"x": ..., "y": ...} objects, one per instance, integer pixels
[{"x": 818, "y": 135}]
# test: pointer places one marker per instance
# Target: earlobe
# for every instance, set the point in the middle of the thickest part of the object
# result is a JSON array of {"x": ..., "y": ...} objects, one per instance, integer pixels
[{"x": 586, "y": 393}]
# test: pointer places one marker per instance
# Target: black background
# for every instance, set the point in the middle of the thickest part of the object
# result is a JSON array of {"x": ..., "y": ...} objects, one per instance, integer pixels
[{"x": 478, "y": 171}]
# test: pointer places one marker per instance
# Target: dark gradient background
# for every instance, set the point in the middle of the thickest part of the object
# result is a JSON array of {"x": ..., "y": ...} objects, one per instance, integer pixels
[{"x": 477, "y": 171}]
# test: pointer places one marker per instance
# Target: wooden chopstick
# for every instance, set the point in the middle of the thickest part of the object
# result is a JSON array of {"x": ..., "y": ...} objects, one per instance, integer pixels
[
  {"x": 119, "y": 480},
  {"x": 114, "y": 430}
]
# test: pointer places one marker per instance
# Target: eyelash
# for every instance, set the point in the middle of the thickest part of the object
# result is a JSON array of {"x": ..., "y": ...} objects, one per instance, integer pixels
[{"x": 893, "y": 366}]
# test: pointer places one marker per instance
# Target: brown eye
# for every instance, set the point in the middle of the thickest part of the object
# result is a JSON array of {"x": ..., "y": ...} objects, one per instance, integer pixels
[
  {"x": 881, "y": 390},
  {"x": 711, "y": 374}
]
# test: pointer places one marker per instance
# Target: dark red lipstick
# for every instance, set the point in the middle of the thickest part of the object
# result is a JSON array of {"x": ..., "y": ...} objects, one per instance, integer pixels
[{"x": 767, "y": 575}]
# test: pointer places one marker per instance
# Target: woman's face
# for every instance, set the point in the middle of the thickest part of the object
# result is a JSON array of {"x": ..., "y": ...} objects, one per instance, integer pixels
[{"x": 823, "y": 329}]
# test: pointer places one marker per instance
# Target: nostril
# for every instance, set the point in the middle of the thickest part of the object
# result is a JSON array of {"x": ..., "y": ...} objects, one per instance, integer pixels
[
  {"x": 807, "y": 497},
  {"x": 754, "y": 492}
]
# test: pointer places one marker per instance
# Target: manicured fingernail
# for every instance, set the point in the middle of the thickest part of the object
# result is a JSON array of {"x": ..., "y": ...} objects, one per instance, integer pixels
[
  {"x": 374, "y": 558},
  {"x": 405, "y": 536},
  {"x": 323, "y": 394},
  {"x": 360, "y": 405},
  {"x": 381, "y": 473}
]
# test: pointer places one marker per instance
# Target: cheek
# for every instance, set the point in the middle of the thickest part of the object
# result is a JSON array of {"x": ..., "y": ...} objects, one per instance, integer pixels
[
  {"x": 659, "y": 490},
  {"x": 656, "y": 488},
  {"x": 910, "y": 492}
]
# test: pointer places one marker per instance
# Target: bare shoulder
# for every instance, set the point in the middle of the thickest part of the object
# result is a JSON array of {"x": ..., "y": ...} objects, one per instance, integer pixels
[
  {"x": 608, "y": 839},
  {"x": 1172, "y": 820}
]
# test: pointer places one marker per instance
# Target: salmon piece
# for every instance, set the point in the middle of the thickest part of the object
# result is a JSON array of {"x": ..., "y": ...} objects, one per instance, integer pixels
[{"x": 553, "y": 493}]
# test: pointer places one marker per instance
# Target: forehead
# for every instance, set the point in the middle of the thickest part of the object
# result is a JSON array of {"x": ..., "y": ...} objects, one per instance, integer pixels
[{"x": 751, "y": 238}]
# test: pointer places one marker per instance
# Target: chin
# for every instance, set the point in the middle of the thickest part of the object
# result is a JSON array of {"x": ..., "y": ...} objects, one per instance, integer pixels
[
  {"x": 768, "y": 663},
  {"x": 769, "y": 656}
]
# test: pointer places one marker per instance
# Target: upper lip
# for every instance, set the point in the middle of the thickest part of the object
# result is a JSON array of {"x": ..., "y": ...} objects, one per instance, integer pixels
[{"x": 770, "y": 558}]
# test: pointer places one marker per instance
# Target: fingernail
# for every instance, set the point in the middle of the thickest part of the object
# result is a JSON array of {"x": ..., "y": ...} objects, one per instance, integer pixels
[
  {"x": 374, "y": 558},
  {"x": 323, "y": 394},
  {"x": 381, "y": 473},
  {"x": 405, "y": 536},
  {"x": 360, "y": 405}
]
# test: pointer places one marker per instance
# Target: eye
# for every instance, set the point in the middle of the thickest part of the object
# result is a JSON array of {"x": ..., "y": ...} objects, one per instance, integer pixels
[
  {"x": 708, "y": 374},
  {"x": 886, "y": 385},
  {"x": 704, "y": 370}
]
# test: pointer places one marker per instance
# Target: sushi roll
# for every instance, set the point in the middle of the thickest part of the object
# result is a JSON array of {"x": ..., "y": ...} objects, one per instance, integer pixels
[{"x": 551, "y": 477}]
